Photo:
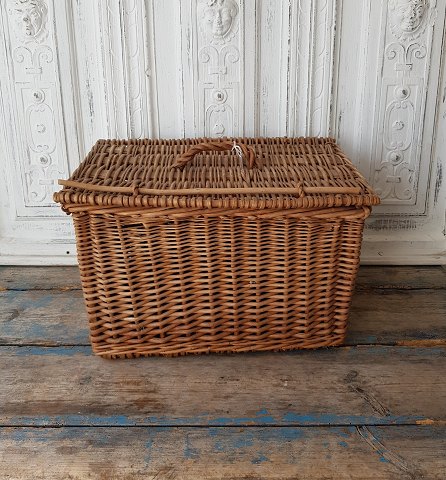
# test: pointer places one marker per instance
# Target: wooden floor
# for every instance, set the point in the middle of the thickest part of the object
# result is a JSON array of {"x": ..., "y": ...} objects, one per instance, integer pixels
[{"x": 373, "y": 409}]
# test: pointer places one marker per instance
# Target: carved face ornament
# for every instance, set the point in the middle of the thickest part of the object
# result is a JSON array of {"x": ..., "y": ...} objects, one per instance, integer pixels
[
  {"x": 217, "y": 17},
  {"x": 408, "y": 18},
  {"x": 410, "y": 15},
  {"x": 31, "y": 18}
]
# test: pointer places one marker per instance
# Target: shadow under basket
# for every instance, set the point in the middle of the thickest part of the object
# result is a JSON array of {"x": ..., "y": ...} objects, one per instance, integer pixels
[{"x": 184, "y": 249}]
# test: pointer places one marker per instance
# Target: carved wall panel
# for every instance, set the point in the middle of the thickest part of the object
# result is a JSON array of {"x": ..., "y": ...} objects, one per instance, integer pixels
[
  {"x": 400, "y": 120},
  {"x": 213, "y": 54},
  {"x": 35, "y": 79}
]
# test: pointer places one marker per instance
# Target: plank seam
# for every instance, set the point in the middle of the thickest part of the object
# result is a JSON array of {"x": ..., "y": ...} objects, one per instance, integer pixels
[
  {"x": 423, "y": 343},
  {"x": 434, "y": 423}
]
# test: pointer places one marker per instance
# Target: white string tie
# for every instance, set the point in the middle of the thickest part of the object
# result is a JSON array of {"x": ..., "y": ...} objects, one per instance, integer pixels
[{"x": 237, "y": 150}]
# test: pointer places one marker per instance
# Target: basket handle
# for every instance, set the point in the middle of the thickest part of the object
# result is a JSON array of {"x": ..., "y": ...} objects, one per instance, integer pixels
[{"x": 241, "y": 150}]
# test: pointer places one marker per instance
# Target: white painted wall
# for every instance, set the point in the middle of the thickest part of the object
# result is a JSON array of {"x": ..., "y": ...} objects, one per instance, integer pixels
[{"x": 372, "y": 73}]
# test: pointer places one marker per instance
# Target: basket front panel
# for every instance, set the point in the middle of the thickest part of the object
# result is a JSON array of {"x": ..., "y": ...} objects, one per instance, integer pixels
[{"x": 195, "y": 284}]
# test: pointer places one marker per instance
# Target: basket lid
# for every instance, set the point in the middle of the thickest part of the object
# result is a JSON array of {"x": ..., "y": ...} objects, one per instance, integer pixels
[{"x": 217, "y": 173}]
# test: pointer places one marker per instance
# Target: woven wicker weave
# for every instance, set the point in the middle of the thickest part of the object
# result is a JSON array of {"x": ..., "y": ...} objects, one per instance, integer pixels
[{"x": 194, "y": 246}]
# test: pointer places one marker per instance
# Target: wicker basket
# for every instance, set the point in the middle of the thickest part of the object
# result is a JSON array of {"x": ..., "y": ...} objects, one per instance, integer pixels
[{"x": 202, "y": 245}]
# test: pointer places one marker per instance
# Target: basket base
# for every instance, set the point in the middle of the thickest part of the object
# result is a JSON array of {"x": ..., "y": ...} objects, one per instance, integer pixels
[{"x": 177, "y": 350}]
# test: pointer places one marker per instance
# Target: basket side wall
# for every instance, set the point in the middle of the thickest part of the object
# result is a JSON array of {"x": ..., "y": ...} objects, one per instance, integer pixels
[{"x": 196, "y": 284}]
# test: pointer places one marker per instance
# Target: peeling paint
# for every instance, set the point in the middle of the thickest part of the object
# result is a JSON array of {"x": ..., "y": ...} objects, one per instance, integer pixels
[
  {"x": 391, "y": 224},
  {"x": 260, "y": 459},
  {"x": 286, "y": 422},
  {"x": 189, "y": 452},
  {"x": 438, "y": 181},
  {"x": 57, "y": 351}
]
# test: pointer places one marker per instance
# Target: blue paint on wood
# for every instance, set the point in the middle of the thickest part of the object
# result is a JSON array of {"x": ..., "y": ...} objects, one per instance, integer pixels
[
  {"x": 250, "y": 439},
  {"x": 343, "y": 444},
  {"x": 236, "y": 441},
  {"x": 16, "y": 329},
  {"x": 263, "y": 411},
  {"x": 261, "y": 458},
  {"x": 148, "y": 455},
  {"x": 371, "y": 339},
  {"x": 10, "y": 295},
  {"x": 57, "y": 351},
  {"x": 189, "y": 451},
  {"x": 345, "y": 432},
  {"x": 243, "y": 440},
  {"x": 28, "y": 300},
  {"x": 263, "y": 417},
  {"x": 219, "y": 447},
  {"x": 19, "y": 435},
  {"x": 290, "y": 433},
  {"x": 206, "y": 419}
]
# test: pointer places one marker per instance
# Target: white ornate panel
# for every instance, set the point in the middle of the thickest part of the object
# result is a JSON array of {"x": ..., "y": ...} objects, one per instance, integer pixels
[
  {"x": 212, "y": 50},
  {"x": 34, "y": 76},
  {"x": 388, "y": 72},
  {"x": 407, "y": 49}
]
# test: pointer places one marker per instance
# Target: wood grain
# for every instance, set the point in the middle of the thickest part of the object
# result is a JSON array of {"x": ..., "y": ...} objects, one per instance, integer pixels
[
  {"x": 39, "y": 278},
  {"x": 337, "y": 453},
  {"x": 339, "y": 386},
  {"x": 403, "y": 277},
  {"x": 397, "y": 316},
  {"x": 42, "y": 317}
]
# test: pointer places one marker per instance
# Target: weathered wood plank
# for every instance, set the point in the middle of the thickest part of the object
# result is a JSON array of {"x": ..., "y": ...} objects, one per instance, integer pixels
[
  {"x": 385, "y": 317},
  {"x": 398, "y": 317},
  {"x": 341, "y": 386},
  {"x": 336, "y": 453},
  {"x": 401, "y": 277},
  {"x": 39, "y": 278},
  {"x": 67, "y": 278},
  {"x": 43, "y": 318}
]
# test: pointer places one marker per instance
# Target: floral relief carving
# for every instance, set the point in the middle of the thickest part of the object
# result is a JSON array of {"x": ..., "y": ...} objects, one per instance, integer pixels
[
  {"x": 395, "y": 182},
  {"x": 31, "y": 18},
  {"x": 42, "y": 180},
  {"x": 34, "y": 60}
]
